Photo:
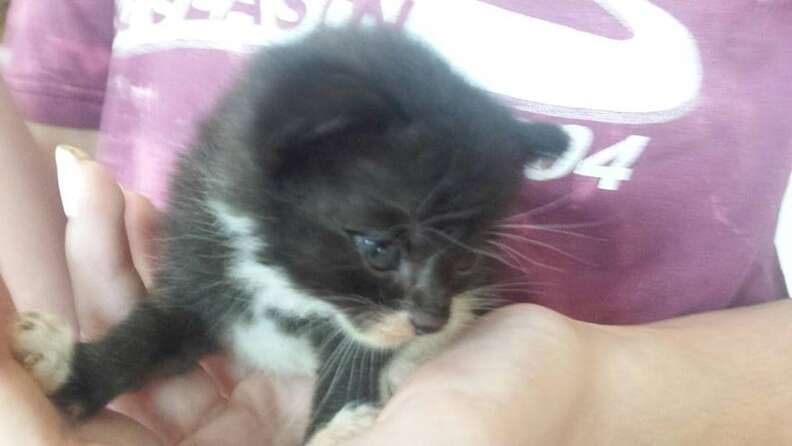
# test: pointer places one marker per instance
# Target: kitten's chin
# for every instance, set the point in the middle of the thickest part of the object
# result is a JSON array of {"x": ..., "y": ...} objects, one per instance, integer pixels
[
  {"x": 384, "y": 332},
  {"x": 395, "y": 329}
]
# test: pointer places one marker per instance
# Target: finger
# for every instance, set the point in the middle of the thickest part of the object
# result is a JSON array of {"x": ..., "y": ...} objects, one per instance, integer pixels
[
  {"x": 32, "y": 228},
  {"x": 113, "y": 429},
  {"x": 439, "y": 420},
  {"x": 249, "y": 417},
  {"x": 27, "y": 416},
  {"x": 236, "y": 425},
  {"x": 173, "y": 407},
  {"x": 293, "y": 395},
  {"x": 105, "y": 283},
  {"x": 141, "y": 227},
  {"x": 190, "y": 408}
]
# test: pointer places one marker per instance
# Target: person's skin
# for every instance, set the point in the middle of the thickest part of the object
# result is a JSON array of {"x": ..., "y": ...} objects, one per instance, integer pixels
[
  {"x": 522, "y": 375},
  {"x": 32, "y": 221}
]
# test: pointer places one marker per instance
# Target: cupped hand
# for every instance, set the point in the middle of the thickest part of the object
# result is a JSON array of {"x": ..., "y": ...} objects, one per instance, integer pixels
[{"x": 110, "y": 237}]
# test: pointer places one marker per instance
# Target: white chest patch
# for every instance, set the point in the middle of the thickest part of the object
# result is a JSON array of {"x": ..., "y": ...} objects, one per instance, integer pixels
[
  {"x": 262, "y": 344},
  {"x": 260, "y": 341}
]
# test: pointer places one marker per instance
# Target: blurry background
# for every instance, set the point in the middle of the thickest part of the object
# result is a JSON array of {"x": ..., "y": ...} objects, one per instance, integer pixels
[{"x": 3, "y": 10}]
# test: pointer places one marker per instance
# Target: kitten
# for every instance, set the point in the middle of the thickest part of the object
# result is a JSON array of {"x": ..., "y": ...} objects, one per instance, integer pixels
[{"x": 328, "y": 221}]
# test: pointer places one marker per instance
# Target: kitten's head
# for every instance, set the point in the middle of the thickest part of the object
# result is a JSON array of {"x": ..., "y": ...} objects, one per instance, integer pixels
[{"x": 377, "y": 175}]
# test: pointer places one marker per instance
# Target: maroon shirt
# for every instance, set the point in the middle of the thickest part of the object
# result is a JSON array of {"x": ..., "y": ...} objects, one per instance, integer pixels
[{"x": 680, "y": 114}]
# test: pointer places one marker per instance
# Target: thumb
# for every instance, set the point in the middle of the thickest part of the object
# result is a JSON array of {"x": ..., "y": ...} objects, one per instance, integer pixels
[{"x": 105, "y": 283}]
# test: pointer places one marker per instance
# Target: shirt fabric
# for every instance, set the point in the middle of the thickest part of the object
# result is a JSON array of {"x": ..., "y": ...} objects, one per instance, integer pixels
[{"x": 680, "y": 115}]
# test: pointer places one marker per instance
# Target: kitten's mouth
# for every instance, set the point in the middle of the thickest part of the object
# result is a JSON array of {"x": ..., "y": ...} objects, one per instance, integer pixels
[
  {"x": 396, "y": 328},
  {"x": 425, "y": 324},
  {"x": 389, "y": 330}
]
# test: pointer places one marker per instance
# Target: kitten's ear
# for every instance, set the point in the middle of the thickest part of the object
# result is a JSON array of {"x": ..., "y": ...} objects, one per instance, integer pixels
[
  {"x": 542, "y": 140},
  {"x": 289, "y": 132}
]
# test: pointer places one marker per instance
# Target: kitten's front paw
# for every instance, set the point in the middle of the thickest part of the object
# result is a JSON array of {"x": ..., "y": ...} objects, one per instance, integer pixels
[
  {"x": 347, "y": 424},
  {"x": 44, "y": 345}
]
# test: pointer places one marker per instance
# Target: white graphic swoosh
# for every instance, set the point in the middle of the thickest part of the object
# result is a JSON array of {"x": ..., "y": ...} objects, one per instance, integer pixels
[
  {"x": 552, "y": 69},
  {"x": 540, "y": 66}
]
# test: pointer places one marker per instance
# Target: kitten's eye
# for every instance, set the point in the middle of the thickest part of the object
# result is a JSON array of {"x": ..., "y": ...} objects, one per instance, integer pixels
[
  {"x": 466, "y": 263},
  {"x": 380, "y": 255}
]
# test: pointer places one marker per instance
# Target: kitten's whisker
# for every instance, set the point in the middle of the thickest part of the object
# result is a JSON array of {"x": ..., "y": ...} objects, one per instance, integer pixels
[
  {"x": 490, "y": 295},
  {"x": 542, "y": 209},
  {"x": 495, "y": 293},
  {"x": 489, "y": 298},
  {"x": 362, "y": 371},
  {"x": 453, "y": 215},
  {"x": 515, "y": 227},
  {"x": 544, "y": 245},
  {"x": 477, "y": 251},
  {"x": 516, "y": 283},
  {"x": 370, "y": 367},
  {"x": 339, "y": 358},
  {"x": 523, "y": 256},
  {"x": 350, "y": 364},
  {"x": 557, "y": 225},
  {"x": 330, "y": 339},
  {"x": 516, "y": 265},
  {"x": 510, "y": 253},
  {"x": 496, "y": 298}
]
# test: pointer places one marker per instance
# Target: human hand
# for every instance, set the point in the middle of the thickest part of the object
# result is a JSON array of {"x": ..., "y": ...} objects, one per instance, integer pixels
[
  {"x": 525, "y": 375},
  {"x": 109, "y": 254},
  {"x": 521, "y": 375}
]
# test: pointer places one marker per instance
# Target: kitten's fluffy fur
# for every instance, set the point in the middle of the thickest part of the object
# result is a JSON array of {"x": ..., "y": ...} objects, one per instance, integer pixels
[{"x": 335, "y": 201}]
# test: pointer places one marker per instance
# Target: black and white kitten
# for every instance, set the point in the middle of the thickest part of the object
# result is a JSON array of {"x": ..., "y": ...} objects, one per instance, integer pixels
[{"x": 327, "y": 222}]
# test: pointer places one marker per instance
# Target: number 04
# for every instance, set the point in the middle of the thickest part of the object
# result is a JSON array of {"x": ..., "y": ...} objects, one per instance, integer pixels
[{"x": 611, "y": 165}]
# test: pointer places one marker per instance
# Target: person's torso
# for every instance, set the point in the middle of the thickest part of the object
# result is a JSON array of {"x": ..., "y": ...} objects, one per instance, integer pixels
[{"x": 679, "y": 111}]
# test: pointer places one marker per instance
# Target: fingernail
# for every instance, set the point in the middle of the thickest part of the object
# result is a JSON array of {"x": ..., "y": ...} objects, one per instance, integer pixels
[{"x": 71, "y": 182}]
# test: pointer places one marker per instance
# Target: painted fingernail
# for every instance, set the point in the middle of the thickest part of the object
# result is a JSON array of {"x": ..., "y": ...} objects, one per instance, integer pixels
[{"x": 71, "y": 182}]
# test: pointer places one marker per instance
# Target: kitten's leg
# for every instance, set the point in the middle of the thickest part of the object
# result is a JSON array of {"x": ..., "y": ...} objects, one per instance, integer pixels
[
  {"x": 82, "y": 378},
  {"x": 347, "y": 395}
]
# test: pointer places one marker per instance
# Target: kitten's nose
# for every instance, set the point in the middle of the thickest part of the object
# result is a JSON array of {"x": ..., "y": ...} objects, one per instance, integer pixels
[{"x": 427, "y": 323}]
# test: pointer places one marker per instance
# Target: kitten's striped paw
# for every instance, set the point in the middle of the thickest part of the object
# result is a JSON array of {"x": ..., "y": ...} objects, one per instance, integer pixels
[
  {"x": 347, "y": 424},
  {"x": 44, "y": 346}
]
